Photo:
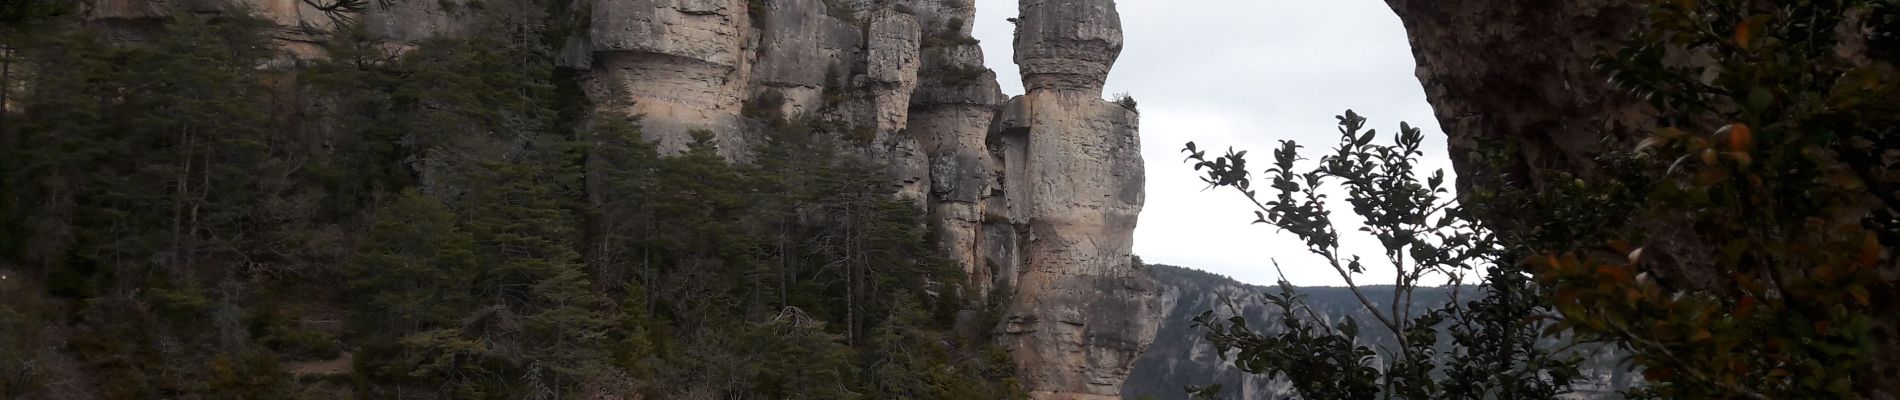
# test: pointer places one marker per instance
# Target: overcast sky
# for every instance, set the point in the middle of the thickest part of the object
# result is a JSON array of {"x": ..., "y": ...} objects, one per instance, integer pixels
[{"x": 1244, "y": 73}]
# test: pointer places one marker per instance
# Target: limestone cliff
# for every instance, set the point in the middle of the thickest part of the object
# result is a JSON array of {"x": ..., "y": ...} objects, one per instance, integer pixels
[
  {"x": 1082, "y": 313},
  {"x": 1036, "y": 197}
]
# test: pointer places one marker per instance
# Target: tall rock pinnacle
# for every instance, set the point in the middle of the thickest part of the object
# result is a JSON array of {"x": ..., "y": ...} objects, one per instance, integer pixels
[{"x": 1082, "y": 312}]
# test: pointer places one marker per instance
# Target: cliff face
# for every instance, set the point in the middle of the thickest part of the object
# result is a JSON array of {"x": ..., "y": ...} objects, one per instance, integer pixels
[
  {"x": 1081, "y": 313},
  {"x": 1036, "y": 197},
  {"x": 1181, "y": 355},
  {"x": 1514, "y": 79},
  {"x": 1520, "y": 87},
  {"x": 1519, "y": 72}
]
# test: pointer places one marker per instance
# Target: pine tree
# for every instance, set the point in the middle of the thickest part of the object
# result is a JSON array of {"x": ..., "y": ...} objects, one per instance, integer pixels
[{"x": 415, "y": 270}]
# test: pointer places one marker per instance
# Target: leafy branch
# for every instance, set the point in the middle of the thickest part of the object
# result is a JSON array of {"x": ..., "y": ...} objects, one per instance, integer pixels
[{"x": 1422, "y": 232}]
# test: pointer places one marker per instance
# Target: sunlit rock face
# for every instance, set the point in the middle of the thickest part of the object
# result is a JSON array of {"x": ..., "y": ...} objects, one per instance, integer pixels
[
  {"x": 681, "y": 63},
  {"x": 1081, "y": 312}
]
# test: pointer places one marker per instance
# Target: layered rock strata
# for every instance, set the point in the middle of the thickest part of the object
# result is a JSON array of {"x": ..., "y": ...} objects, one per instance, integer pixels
[
  {"x": 680, "y": 63},
  {"x": 1082, "y": 313}
]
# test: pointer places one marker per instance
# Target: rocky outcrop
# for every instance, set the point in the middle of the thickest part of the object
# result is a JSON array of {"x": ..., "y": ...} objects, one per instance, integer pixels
[
  {"x": 951, "y": 115},
  {"x": 1038, "y": 203},
  {"x": 1067, "y": 45},
  {"x": 892, "y": 60},
  {"x": 1514, "y": 90},
  {"x": 1181, "y": 355},
  {"x": 801, "y": 48},
  {"x": 1081, "y": 311},
  {"x": 1518, "y": 101},
  {"x": 1036, "y": 197},
  {"x": 681, "y": 63},
  {"x": 1519, "y": 72}
]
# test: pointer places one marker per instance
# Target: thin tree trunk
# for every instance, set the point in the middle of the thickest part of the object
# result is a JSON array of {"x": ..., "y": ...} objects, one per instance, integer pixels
[
  {"x": 6, "y": 80},
  {"x": 785, "y": 266},
  {"x": 182, "y": 179},
  {"x": 191, "y": 230},
  {"x": 851, "y": 280},
  {"x": 646, "y": 259}
]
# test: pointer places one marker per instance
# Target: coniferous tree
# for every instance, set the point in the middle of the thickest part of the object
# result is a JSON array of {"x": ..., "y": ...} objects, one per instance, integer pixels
[{"x": 203, "y": 215}]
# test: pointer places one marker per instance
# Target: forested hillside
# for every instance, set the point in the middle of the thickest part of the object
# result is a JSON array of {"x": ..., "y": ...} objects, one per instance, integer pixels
[
  {"x": 187, "y": 216},
  {"x": 1182, "y": 356}
]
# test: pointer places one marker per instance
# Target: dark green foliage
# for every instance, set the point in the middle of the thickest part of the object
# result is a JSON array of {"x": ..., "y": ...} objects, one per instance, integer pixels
[
  {"x": 145, "y": 167},
  {"x": 21, "y": 314},
  {"x": 1764, "y": 160},
  {"x": 834, "y": 92},
  {"x": 767, "y": 106},
  {"x": 955, "y": 75},
  {"x": 950, "y": 35},
  {"x": 755, "y": 9},
  {"x": 1493, "y": 349},
  {"x": 450, "y": 222},
  {"x": 415, "y": 269},
  {"x": 843, "y": 10},
  {"x": 1126, "y": 101}
]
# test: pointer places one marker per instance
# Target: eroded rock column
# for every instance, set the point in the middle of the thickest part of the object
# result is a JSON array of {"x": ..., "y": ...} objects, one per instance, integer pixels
[
  {"x": 950, "y": 116},
  {"x": 1081, "y": 312},
  {"x": 891, "y": 65}
]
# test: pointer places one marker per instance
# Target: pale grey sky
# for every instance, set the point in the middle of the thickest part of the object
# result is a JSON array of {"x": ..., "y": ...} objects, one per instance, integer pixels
[{"x": 1244, "y": 73}]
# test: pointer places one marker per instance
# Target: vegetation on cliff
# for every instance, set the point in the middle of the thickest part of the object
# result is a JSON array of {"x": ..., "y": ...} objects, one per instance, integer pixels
[{"x": 442, "y": 221}]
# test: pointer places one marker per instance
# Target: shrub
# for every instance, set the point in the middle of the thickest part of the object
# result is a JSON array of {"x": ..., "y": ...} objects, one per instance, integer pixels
[
  {"x": 767, "y": 105},
  {"x": 1744, "y": 267},
  {"x": 1126, "y": 101},
  {"x": 1493, "y": 350}
]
